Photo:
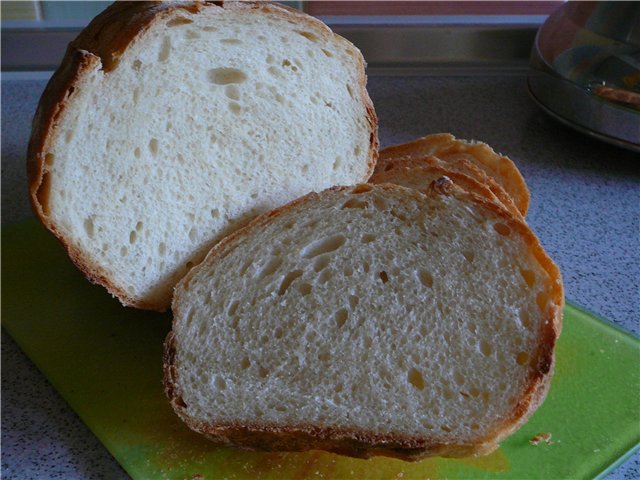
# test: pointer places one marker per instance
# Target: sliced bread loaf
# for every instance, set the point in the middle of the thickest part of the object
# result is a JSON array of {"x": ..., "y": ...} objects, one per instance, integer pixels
[
  {"x": 169, "y": 125},
  {"x": 367, "y": 320},
  {"x": 450, "y": 149}
]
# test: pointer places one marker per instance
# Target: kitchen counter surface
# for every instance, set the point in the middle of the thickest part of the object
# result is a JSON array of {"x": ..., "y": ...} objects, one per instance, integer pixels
[{"x": 585, "y": 207}]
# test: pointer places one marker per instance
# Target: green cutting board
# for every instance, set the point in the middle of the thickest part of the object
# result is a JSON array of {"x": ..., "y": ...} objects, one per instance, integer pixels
[{"x": 105, "y": 360}]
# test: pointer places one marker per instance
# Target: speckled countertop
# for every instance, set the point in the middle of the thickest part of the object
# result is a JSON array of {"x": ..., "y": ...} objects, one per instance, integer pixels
[{"x": 585, "y": 207}]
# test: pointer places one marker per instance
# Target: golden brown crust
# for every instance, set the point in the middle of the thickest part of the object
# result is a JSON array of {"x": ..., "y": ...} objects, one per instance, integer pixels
[
  {"x": 364, "y": 444},
  {"x": 461, "y": 166},
  {"x": 426, "y": 172},
  {"x": 446, "y": 147},
  {"x": 100, "y": 46}
]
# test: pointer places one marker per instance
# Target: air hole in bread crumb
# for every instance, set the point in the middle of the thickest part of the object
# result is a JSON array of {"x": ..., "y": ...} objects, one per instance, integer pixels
[
  {"x": 245, "y": 363},
  {"x": 362, "y": 188},
  {"x": 353, "y": 301},
  {"x": 502, "y": 229},
  {"x": 383, "y": 276},
  {"x": 323, "y": 245},
  {"x": 235, "y": 108},
  {"x": 232, "y": 92},
  {"x": 165, "y": 50},
  {"x": 308, "y": 35},
  {"x": 474, "y": 392},
  {"x": 269, "y": 268},
  {"x": 522, "y": 358},
  {"x": 220, "y": 383},
  {"x": 68, "y": 136},
  {"x": 176, "y": 22},
  {"x": 209, "y": 29},
  {"x": 445, "y": 428},
  {"x": 288, "y": 280},
  {"x": 225, "y": 76},
  {"x": 231, "y": 41},
  {"x": 350, "y": 90},
  {"x": 525, "y": 319},
  {"x": 304, "y": 289},
  {"x": 123, "y": 251},
  {"x": 270, "y": 61},
  {"x": 341, "y": 317},
  {"x": 469, "y": 256},
  {"x": 136, "y": 65},
  {"x": 425, "y": 278},
  {"x": 275, "y": 72},
  {"x": 365, "y": 266},
  {"x": 132, "y": 237},
  {"x": 245, "y": 266},
  {"x": 447, "y": 394},
  {"x": 485, "y": 348},
  {"x": 327, "y": 53},
  {"x": 278, "y": 333},
  {"x": 368, "y": 238},
  {"x": 215, "y": 213},
  {"x": 414, "y": 377},
  {"x": 321, "y": 263},
  {"x": 153, "y": 146},
  {"x": 89, "y": 227},
  {"x": 233, "y": 308},
  {"x": 324, "y": 277},
  {"x": 458, "y": 378},
  {"x": 305, "y": 168},
  {"x": 263, "y": 372},
  {"x": 347, "y": 270},
  {"x": 324, "y": 356},
  {"x": 193, "y": 233},
  {"x": 337, "y": 163},
  {"x": 355, "y": 203}
]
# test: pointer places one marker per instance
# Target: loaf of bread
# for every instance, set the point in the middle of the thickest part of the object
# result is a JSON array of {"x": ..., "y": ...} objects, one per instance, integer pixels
[
  {"x": 498, "y": 168},
  {"x": 168, "y": 125},
  {"x": 367, "y": 320}
]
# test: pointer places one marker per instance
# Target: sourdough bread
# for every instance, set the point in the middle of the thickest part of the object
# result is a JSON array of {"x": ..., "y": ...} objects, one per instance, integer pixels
[
  {"x": 450, "y": 149},
  {"x": 168, "y": 125},
  {"x": 367, "y": 320}
]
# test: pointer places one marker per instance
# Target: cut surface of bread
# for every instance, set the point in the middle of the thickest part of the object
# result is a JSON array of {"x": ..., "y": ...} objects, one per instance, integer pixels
[
  {"x": 367, "y": 320},
  {"x": 450, "y": 149},
  {"x": 168, "y": 125}
]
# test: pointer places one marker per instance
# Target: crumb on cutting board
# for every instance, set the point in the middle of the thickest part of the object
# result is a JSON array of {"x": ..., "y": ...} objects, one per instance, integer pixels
[{"x": 541, "y": 437}]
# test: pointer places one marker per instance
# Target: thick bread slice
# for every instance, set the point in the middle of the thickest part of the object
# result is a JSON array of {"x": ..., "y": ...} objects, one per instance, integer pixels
[
  {"x": 449, "y": 148},
  {"x": 419, "y": 173},
  {"x": 170, "y": 124},
  {"x": 367, "y": 320}
]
